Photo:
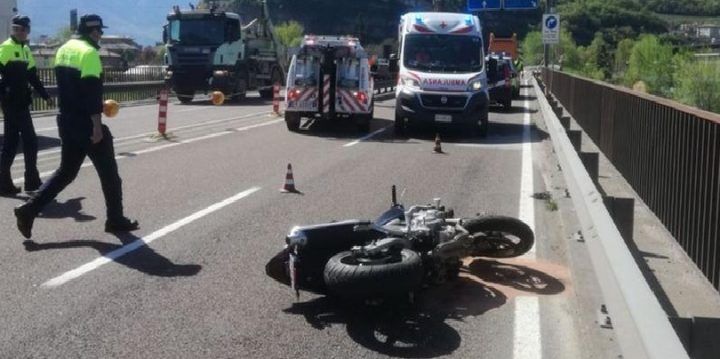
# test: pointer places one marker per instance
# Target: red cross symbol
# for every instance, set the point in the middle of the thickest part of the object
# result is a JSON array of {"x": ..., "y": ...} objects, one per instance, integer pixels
[{"x": 443, "y": 25}]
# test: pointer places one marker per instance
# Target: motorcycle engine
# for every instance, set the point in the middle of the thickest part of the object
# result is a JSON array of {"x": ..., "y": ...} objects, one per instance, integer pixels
[{"x": 431, "y": 223}]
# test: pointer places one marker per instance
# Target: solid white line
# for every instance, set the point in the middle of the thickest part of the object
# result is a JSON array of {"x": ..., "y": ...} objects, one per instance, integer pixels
[
  {"x": 353, "y": 143},
  {"x": 109, "y": 257},
  {"x": 162, "y": 147},
  {"x": 527, "y": 340}
]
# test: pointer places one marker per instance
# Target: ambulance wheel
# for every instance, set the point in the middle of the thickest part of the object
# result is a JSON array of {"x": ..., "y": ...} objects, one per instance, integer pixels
[
  {"x": 399, "y": 125},
  {"x": 363, "y": 123},
  {"x": 483, "y": 128},
  {"x": 292, "y": 121}
]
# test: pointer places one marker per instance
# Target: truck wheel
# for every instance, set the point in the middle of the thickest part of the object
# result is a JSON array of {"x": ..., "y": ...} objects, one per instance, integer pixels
[
  {"x": 185, "y": 99},
  {"x": 348, "y": 275},
  {"x": 292, "y": 121}
]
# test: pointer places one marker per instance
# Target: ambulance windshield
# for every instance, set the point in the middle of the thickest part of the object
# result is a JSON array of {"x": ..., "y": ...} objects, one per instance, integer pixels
[{"x": 443, "y": 53}]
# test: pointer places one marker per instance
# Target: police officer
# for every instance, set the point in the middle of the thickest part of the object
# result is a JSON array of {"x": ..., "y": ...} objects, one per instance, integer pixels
[
  {"x": 80, "y": 89},
  {"x": 17, "y": 69}
]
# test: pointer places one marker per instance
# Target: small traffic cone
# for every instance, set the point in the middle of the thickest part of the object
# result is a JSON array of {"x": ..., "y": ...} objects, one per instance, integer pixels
[
  {"x": 438, "y": 145},
  {"x": 289, "y": 186}
]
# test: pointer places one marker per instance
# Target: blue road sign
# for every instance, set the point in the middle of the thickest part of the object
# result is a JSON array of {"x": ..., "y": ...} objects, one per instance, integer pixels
[
  {"x": 480, "y": 5},
  {"x": 551, "y": 22},
  {"x": 520, "y": 4}
]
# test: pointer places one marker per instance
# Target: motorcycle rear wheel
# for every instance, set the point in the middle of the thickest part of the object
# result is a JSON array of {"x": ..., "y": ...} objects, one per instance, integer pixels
[
  {"x": 347, "y": 275},
  {"x": 505, "y": 237}
]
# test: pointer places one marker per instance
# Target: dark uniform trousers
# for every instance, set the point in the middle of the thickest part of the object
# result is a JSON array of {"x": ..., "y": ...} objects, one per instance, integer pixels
[
  {"x": 73, "y": 154},
  {"x": 17, "y": 124}
]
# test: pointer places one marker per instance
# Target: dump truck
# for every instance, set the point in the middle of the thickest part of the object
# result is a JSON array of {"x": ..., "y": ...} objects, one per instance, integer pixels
[
  {"x": 506, "y": 46},
  {"x": 208, "y": 49}
]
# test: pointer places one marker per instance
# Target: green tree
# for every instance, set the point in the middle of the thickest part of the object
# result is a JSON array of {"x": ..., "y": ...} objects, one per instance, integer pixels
[
  {"x": 532, "y": 48},
  {"x": 622, "y": 57},
  {"x": 290, "y": 33},
  {"x": 698, "y": 83},
  {"x": 652, "y": 63}
]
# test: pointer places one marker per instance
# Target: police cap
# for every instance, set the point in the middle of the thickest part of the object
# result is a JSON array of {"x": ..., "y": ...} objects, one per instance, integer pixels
[
  {"x": 89, "y": 22},
  {"x": 21, "y": 20}
]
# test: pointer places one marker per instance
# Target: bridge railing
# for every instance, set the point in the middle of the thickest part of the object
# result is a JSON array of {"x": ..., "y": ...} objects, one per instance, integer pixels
[{"x": 668, "y": 152}]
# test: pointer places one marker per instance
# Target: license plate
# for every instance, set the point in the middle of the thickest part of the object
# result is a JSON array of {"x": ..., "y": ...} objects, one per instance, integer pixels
[{"x": 443, "y": 118}]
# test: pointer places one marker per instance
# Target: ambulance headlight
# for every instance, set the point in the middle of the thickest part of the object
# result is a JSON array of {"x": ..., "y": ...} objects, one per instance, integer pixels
[
  {"x": 475, "y": 86},
  {"x": 411, "y": 83}
]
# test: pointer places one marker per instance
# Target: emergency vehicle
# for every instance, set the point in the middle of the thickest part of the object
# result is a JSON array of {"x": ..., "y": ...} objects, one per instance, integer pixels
[
  {"x": 329, "y": 79},
  {"x": 442, "y": 78}
]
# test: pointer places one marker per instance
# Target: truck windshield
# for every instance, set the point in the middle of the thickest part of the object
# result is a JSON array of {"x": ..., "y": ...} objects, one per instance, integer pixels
[
  {"x": 443, "y": 53},
  {"x": 197, "y": 32}
]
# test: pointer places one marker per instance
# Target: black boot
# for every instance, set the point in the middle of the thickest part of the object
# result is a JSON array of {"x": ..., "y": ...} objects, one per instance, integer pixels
[
  {"x": 32, "y": 183},
  {"x": 7, "y": 188},
  {"x": 123, "y": 224},
  {"x": 25, "y": 217}
]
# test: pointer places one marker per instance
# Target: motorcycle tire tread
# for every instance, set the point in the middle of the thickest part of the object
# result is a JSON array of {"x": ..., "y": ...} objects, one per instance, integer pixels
[
  {"x": 394, "y": 278},
  {"x": 502, "y": 224}
]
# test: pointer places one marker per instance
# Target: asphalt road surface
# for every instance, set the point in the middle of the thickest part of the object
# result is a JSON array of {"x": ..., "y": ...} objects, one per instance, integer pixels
[{"x": 191, "y": 284}]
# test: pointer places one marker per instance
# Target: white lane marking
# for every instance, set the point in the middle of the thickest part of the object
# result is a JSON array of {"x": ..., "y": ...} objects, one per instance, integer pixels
[
  {"x": 44, "y": 153},
  {"x": 162, "y": 147},
  {"x": 44, "y": 129},
  {"x": 527, "y": 340},
  {"x": 353, "y": 143},
  {"x": 490, "y": 146},
  {"x": 109, "y": 257}
]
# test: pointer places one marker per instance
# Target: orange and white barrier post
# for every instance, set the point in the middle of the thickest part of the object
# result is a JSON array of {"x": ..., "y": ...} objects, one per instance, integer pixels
[
  {"x": 276, "y": 99},
  {"x": 162, "y": 113}
]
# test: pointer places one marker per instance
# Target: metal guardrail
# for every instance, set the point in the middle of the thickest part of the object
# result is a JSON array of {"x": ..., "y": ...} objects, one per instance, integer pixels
[
  {"x": 642, "y": 328},
  {"x": 135, "y": 84},
  {"x": 668, "y": 152}
]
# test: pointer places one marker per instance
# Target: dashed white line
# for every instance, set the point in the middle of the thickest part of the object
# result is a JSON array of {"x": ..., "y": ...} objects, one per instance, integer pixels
[
  {"x": 364, "y": 138},
  {"x": 165, "y": 146},
  {"x": 527, "y": 340},
  {"x": 146, "y": 134},
  {"x": 109, "y": 257}
]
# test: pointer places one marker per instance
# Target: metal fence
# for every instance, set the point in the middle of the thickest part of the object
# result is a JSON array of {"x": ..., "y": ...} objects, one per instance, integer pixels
[
  {"x": 668, "y": 152},
  {"x": 135, "y": 84}
]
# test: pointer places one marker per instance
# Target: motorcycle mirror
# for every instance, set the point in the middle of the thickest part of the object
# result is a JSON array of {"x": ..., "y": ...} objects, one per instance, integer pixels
[{"x": 394, "y": 196}]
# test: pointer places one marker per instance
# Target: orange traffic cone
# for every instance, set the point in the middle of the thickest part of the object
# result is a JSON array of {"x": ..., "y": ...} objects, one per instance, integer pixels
[
  {"x": 289, "y": 186},
  {"x": 438, "y": 145}
]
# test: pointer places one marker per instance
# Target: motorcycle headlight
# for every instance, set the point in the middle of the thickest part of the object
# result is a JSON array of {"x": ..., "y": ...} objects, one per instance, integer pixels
[
  {"x": 475, "y": 85},
  {"x": 220, "y": 73}
]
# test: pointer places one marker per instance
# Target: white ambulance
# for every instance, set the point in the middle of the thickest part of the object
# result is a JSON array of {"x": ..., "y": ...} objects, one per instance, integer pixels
[
  {"x": 442, "y": 78},
  {"x": 329, "y": 79}
]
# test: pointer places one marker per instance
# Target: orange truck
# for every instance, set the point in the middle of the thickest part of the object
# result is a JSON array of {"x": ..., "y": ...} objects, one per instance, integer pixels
[{"x": 508, "y": 45}]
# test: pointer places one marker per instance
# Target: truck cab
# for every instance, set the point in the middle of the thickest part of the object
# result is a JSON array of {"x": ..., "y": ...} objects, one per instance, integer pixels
[
  {"x": 329, "y": 80},
  {"x": 442, "y": 76},
  {"x": 210, "y": 50}
]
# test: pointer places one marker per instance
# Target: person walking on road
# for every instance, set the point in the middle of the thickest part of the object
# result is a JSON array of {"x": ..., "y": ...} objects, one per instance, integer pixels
[
  {"x": 17, "y": 73},
  {"x": 80, "y": 89}
]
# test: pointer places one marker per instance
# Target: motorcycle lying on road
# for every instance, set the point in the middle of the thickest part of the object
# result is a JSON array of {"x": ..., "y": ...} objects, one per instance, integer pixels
[{"x": 399, "y": 253}]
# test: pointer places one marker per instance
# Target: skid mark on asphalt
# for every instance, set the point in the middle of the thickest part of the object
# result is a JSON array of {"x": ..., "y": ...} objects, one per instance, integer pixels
[{"x": 144, "y": 241}]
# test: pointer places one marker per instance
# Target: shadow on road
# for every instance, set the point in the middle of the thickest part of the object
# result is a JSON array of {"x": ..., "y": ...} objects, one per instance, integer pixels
[
  {"x": 420, "y": 330},
  {"x": 44, "y": 142},
  {"x": 144, "y": 259},
  {"x": 71, "y": 208}
]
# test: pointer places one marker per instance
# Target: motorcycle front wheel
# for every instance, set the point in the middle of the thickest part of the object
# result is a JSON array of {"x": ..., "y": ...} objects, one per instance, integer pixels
[
  {"x": 346, "y": 274},
  {"x": 499, "y": 236}
]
